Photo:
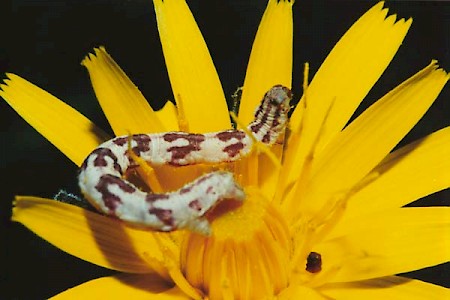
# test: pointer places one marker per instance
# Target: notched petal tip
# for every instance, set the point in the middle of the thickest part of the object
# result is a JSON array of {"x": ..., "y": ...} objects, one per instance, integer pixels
[
  {"x": 10, "y": 77},
  {"x": 67, "y": 129},
  {"x": 385, "y": 10},
  {"x": 290, "y": 2},
  {"x": 124, "y": 105},
  {"x": 405, "y": 22},
  {"x": 440, "y": 69},
  {"x": 90, "y": 57},
  {"x": 432, "y": 73},
  {"x": 379, "y": 5}
]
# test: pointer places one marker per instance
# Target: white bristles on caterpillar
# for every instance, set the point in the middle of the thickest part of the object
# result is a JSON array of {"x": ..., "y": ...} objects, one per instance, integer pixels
[{"x": 101, "y": 175}]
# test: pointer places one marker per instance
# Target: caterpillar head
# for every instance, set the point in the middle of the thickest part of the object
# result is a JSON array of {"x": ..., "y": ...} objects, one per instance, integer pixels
[{"x": 280, "y": 96}]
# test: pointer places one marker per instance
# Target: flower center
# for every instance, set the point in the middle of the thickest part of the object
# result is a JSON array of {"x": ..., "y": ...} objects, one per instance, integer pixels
[{"x": 246, "y": 257}]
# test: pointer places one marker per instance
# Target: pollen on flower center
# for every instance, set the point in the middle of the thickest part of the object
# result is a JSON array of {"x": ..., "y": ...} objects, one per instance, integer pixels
[
  {"x": 246, "y": 257},
  {"x": 239, "y": 221}
]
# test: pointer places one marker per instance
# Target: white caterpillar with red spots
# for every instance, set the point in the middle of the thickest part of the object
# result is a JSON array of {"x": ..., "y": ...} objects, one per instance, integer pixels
[{"x": 101, "y": 175}]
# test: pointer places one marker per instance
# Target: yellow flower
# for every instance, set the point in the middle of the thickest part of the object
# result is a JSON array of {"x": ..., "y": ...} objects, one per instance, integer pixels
[{"x": 328, "y": 224}]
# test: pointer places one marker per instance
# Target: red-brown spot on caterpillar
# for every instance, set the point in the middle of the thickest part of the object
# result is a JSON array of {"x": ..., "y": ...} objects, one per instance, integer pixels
[
  {"x": 225, "y": 136},
  {"x": 203, "y": 179},
  {"x": 260, "y": 121},
  {"x": 180, "y": 152},
  {"x": 233, "y": 149},
  {"x": 314, "y": 262},
  {"x": 195, "y": 205},
  {"x": 111, "y": 200},
  {"x": 258, "y": 111},
  {"x": 172, "y": 136},
  {"x": 186, "y": 189},
  {"x": 256, "y": 127},
  {"x": 209, "y": 189},
  {"x": 155, "y": 197},
  {"x": 266, "y": 138},
  {"x": 276, "y": 117},
  {"x": 143, "y": 143},
  {"x": 164, "y": 215},
  {"x": 120, "y": 141},
  {"x": 100, "y": 159}
]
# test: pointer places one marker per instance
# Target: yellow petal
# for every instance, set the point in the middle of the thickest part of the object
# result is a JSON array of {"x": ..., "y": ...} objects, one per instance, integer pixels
[
  {"x": 92, "y": 237},
  {"x": 342, "y": 81},
  {"x": 367, "y": 140},
  {"x": 168, "y": 116},
  {"x": 71, "y": 132},
  {"x": 408, "y": 174},
  {"x": 123, "y": 287},
  {"x": 405, "y": 215},
  {"x": 300, "y": 292},
  {"x": 123, "y": 104},
  {"x": 270, "y": 61},
  {"x": 173, "y": 178},
  {"x": 391, "y": 242},
  {"x": 268, "y": 172},
  {"x": 195, "y": 83},
  {"x": 392, "y": 287}
]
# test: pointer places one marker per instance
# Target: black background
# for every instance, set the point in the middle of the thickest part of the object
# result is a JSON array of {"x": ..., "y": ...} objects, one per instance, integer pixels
[{"x": 44, "y": 41}]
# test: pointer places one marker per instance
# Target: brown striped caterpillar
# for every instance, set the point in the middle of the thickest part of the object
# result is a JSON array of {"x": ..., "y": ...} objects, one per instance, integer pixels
[{"x": 101, "y": 175}]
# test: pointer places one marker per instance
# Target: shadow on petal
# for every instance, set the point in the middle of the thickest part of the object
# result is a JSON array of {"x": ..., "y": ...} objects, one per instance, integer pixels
[
  {"x": 90, "y": 236},
  {"x": 390, "y": 287},
  {"x": 102, "y": 233}
]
